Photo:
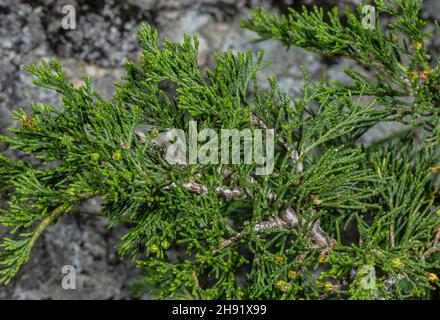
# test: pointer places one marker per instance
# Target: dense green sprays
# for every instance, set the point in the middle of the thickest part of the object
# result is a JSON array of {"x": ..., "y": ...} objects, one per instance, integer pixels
[{"x": 333, "y": 220}]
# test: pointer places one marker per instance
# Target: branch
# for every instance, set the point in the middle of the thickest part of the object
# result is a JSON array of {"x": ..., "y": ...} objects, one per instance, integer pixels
[
  {"x": 435, "y": 247},
  {"x": 294, "y": 155},
  {"x": 287, "y": 221}
]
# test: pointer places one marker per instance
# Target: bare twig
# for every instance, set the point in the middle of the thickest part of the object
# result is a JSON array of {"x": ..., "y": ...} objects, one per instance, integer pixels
[
  {"x": 287, "y": 221},
  {"x": 294, "y": 155},
  {"x": 435, "y": 247},
  {"x": 195, "y": 188}
]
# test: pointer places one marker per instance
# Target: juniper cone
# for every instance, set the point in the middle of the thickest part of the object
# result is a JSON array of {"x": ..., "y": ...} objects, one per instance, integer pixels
[{"x": 336, "y": 218}]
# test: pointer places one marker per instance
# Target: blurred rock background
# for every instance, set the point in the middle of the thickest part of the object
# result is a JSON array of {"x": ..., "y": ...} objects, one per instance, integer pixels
[{"x": 31, "y": 30}]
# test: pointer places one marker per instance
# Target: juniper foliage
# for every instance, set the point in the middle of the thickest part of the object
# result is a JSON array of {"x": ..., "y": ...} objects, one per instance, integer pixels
[{"x": 336, "y": 219}]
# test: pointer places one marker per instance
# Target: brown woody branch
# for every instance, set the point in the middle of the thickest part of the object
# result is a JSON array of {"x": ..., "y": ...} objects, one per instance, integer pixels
[
  {"x": 288, "y": 219},
  {"x": 435, "y": 247},
  {"x": 294, "y": 155}
]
